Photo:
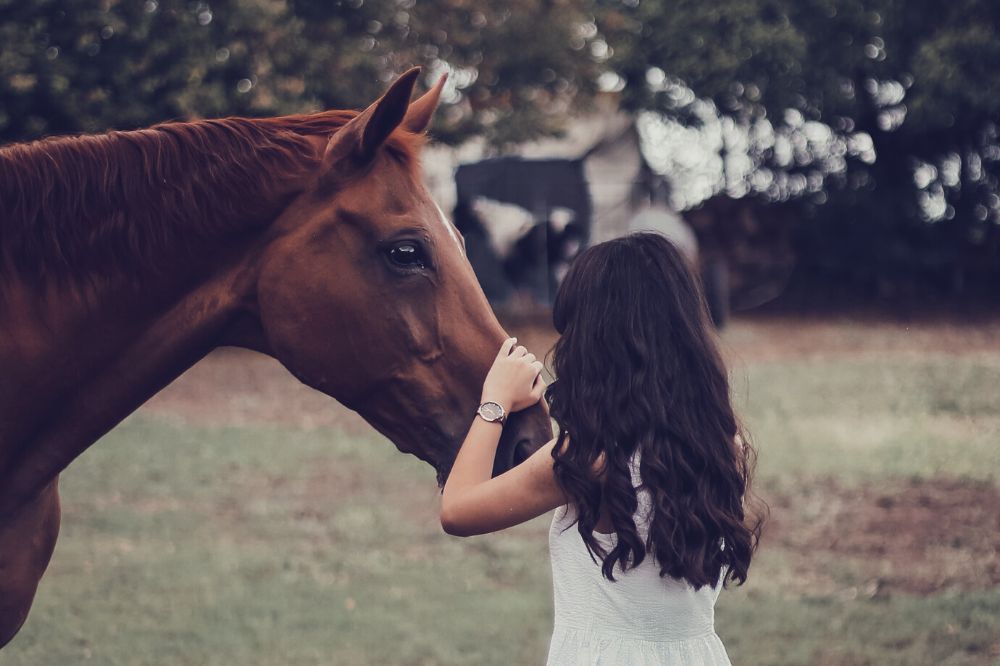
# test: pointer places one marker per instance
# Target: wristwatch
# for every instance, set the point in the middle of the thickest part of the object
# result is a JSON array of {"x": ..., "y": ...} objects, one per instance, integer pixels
[{"x": 492, "y": 412}]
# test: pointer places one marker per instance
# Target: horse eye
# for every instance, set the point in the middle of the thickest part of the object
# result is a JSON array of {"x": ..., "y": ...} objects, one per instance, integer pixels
[{"x": 407, "y": 254}]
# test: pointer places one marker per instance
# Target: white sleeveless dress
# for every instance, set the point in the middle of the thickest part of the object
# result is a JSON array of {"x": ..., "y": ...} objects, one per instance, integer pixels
[{"x": 640, "y": 619}]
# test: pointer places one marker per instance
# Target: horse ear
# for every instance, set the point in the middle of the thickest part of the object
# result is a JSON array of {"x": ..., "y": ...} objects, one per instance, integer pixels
[
  {"x": 364, "y": 134},
  {"x": 418, "y": 117},
  {"x": 388, "y": 112}
]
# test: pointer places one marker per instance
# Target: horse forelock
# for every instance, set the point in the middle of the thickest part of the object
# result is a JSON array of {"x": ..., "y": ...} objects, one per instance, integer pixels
[{"x": 117, "y": 203}]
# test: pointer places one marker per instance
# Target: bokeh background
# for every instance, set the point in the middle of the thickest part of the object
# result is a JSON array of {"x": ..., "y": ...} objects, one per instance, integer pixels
[{"x": 831, "y": 167}]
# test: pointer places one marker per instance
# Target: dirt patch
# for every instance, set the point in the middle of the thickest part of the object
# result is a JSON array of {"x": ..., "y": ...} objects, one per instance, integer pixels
[
  {"x": 776, "y": 338},
  {"x": 917, "y": 537},
  {"x": 238, "y": 387},
  {"x": 786, "y": 337}
]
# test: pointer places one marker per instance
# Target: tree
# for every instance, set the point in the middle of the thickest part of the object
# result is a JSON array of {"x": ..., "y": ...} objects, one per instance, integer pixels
[
  {"x": 90, "y": 65},
  {"x": 908, "y": 90}
]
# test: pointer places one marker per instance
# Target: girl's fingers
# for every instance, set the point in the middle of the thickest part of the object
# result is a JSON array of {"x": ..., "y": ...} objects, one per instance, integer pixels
[
  {"x": 538, "y": 390},
  {"x": 529, "y": 358},
  {"x": 538, "y": 366},
  {"x": 505, "y": 348},
  {"x": 519, "y": 351}
]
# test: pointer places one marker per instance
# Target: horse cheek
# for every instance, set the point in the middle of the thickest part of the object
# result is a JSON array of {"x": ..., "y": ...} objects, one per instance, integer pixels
[{"x": 302, "y": 323}]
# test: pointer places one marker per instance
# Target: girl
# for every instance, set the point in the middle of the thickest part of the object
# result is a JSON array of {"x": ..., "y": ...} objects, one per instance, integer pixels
[{"x": 649, "y": 464}]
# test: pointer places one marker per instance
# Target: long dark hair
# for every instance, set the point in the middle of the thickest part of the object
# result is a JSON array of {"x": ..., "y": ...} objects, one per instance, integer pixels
[{"x": 637, "y": 369}]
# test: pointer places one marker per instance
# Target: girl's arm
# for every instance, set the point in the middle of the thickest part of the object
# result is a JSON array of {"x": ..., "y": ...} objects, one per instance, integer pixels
[
  {"x": 489, "y": 505},
  {"x": 472, "y": 502}
]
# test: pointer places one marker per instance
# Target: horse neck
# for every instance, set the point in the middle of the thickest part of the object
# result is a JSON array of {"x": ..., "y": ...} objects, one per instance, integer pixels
[
  {"x": 114, "y": 347},
  {"x": 83, "y": 355},
  {"x": 169, "y": 227}
]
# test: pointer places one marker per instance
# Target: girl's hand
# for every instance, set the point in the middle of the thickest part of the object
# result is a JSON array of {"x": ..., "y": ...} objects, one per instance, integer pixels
[{"x": 514, "y": 381}]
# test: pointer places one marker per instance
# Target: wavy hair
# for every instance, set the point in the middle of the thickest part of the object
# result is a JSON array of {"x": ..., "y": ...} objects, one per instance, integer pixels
[{"x": 638, "y": 372}]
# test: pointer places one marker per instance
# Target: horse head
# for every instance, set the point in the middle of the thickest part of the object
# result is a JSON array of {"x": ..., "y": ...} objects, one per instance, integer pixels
[{"x": 365, "y": 292}]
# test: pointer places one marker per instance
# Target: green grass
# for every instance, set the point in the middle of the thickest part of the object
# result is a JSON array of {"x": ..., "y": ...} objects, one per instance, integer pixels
[
  {"x": 263, "y": 545},
  {"x": 770, "y": 628},
  {"x": 868, "y": 419}
]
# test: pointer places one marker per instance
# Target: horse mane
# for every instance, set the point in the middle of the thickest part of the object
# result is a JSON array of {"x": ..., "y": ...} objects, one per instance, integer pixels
[{"x": 117, "y": 203}]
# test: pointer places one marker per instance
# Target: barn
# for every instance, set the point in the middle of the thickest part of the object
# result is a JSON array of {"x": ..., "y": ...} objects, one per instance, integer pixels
[{"x": 525, "y": 216}]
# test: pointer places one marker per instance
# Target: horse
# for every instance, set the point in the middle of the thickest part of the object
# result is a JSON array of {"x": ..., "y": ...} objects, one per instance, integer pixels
[{"x": 126, "y": 257}]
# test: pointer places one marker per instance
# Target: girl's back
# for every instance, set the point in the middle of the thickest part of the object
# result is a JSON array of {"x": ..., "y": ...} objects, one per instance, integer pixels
[
  {"x": 637, "y": 374},
  {"x": 639, "y": 618}
]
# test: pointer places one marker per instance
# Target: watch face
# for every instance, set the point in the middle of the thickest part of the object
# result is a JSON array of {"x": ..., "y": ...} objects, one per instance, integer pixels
[{"x": 491, "y": 411}]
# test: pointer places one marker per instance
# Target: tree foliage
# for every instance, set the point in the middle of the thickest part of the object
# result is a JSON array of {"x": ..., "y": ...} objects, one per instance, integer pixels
[
  {"x": 915, "y": 81},
  {"x": 91, "y": 65}
]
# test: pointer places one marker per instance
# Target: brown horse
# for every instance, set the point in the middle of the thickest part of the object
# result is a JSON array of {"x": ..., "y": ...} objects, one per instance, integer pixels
[{"x": 126, "y": 257}]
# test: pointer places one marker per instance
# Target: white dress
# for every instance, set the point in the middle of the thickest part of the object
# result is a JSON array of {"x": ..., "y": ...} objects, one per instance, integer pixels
[{"x": 640, "y": 619}]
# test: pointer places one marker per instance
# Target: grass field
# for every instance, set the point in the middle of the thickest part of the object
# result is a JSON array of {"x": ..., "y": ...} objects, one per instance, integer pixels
[{"x": 240, "y": 519}]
